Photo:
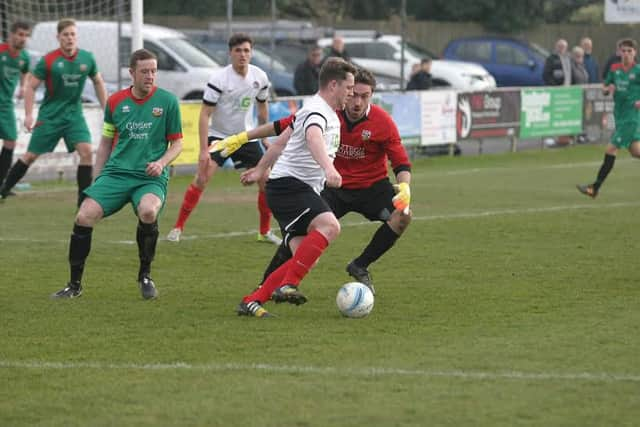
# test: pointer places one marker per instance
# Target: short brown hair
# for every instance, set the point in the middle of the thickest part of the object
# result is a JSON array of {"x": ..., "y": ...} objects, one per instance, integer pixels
[
  {"x": 140, "y": 55},
  {"x": 239, "y": 38},
  {"x": 64, "y": 23},
  {"x": 335, "y": 68},
  {"x": 365, "y": 77},
  {"x": 20, "y": 25},
  {"x": 628, "y": 43}
]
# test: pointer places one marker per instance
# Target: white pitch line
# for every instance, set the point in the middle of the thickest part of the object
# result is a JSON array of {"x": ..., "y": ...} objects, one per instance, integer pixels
[
  {"x": 318, "y": 370},
  {"x": 443, "y": 217}
]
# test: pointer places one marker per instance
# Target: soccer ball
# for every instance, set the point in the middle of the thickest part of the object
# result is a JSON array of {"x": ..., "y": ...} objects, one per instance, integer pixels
[{"x": 354, "y": 299}]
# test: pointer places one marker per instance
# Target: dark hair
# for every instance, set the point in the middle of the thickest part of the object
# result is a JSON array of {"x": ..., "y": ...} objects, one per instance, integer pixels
[
  {"x": 20, "y": 25},
  {"x": 628, "y": 43},
  {"x": 140, "y": 55},
  {"x": 425, "y": 60},
  {"x": 335, "y": 68},
  {"x": 64, "y": 23},
  {"x": 239, "y": 38},
  {"x": 365, "y": 77}
]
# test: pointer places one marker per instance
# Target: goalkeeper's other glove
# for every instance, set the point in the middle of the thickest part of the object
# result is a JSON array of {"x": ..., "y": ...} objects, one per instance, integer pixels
[
  {"x": 402, "y": 199},
  {"x": 230, "y": 144}
]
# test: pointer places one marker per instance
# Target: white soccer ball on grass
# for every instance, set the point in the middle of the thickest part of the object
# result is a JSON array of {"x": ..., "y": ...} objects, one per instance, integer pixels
[{"x": 354, "y": 299}]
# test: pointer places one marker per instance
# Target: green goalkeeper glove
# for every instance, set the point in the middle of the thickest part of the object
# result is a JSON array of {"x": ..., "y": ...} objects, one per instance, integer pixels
[
  {"x": 230, "y": 144},
  {"x": 402, "y": 199}
]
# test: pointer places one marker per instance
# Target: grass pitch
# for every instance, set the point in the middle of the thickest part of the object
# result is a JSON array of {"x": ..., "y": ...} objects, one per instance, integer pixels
[{"x": 510, "y": 300}]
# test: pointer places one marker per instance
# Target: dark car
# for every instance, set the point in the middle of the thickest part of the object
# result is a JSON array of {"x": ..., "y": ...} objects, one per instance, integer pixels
[
  {"x": 281, "y": 79},
  {"x": 511, "y": 62}
]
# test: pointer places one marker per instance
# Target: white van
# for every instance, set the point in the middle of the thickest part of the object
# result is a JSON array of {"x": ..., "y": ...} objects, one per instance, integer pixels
[{"x": 184, "y": 69}]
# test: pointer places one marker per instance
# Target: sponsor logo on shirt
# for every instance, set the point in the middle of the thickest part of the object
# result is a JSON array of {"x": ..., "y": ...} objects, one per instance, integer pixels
[
  {"x": 245, "y": 103},
  {"x": 350, "y": 152},
  {"x": 71, "y": 80},
  {"x": 139, "y": 130},
  {"x": 156, "y": 112}
]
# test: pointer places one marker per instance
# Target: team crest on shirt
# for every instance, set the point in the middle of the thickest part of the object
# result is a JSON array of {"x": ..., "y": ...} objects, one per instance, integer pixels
[
  {"x": 156, "y": 112},
  {"x": 366, "y": 135},
  {"x": 256, "y": 84},
  {"x": 126, "y": 109},
  {"x": 83, "y": 67}
]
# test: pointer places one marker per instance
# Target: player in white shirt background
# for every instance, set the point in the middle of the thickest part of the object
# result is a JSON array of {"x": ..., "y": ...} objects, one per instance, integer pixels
[{"x": 227, "y": 109}]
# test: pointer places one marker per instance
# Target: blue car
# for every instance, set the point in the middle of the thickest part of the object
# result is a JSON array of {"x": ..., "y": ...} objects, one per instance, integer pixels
[{"x": 511, "y": 62}]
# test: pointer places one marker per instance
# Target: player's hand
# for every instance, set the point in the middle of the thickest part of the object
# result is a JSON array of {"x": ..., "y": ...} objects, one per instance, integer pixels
[
  {"x": 28, "y": 123},
  {"x": 402, "y": 199},
  {"x": 251, "y": 176},
  {"x": 230, "y": 144},
  {"x": 637, "y": 104},
  {"x": 154, "y": 168},
  {"x": 334, "y": 179}
]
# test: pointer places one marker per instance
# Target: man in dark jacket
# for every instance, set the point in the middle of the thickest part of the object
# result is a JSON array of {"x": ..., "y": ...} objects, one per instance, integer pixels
[
  {"x": 421, "y": 79},
  {"x": 305, "y": 79},
  {"x": 557, "y": 68},
  {"x": 590, "y": 62}
]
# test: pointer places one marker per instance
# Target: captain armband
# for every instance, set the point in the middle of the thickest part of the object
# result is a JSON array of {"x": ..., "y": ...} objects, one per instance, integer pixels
[{"x": 108, "y": 130}]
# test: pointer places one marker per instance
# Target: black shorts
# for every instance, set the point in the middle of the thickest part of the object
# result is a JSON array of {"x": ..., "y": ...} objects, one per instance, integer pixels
[
  {"x": 245, "y": 157},
  {"x": 294, "y": 204},
  {"x": 374, "y": 203}
]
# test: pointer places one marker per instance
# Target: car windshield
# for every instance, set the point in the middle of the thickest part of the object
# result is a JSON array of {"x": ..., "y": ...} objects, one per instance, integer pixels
[
  {"x": 419, "y": 51},
  {"x": 262, "y": 57},
  {"x": 191, "y": 54},
  {"x": 540, "y": 52}
]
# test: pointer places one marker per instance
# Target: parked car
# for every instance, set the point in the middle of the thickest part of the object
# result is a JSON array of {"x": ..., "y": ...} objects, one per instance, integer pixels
[
  {"x": 511, "y": 62},
  {"x": 382, "y": 54},
  {"x": 184, "y": 68},
  {"x": 281, "y": 79}
]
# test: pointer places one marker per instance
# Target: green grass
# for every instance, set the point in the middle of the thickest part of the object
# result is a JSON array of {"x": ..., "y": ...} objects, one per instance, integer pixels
[{"x": 510, "y": 300}]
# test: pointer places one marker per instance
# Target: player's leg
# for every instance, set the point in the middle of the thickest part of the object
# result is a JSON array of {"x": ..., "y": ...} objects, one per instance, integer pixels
[
  {"x": 8, "y": 134},
  {"x": 634, "y": 148},
  {"x": 43, "y": 140},
  {"x": 88, "y": 215},
  {"x": 84, "y": 173},
  {"x": 148, "y": 201},
  {"x": 592, "y": 189},
  {"x": 375, "y": 203},
  {"x": 192, "y": 195}
]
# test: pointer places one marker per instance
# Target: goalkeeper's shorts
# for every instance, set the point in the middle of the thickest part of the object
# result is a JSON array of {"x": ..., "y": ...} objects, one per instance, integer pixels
[
  {"x": 244, "y": 157},
  {"x": 374, "y": 203},
  {"x": 47, "y": 133}
]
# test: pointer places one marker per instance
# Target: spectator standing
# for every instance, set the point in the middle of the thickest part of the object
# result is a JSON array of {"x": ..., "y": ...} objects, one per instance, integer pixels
[
  {"x": 590, "y": 62},
  {"x": 557, "y": 68},
  {"x": 579, "y": 73},
  {"x": 305, "y": 79},
  {"x": 421, "y": 79},
  {"x": 338, "y": 50}
]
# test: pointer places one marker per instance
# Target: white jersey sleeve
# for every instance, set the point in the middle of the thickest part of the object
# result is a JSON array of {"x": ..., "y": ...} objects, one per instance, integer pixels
[{"x": 296, "y": 159}]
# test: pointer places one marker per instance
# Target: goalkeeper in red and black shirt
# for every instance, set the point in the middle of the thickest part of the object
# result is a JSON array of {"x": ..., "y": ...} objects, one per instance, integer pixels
[{"x": 369, "y": 140}]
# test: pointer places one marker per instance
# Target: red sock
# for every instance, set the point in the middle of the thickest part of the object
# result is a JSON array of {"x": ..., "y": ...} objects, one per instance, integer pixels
[
  {"x": 273, "y": 282},
  {"x": 305, "y": 257},
  {"x": 265, "y": 213},
  {"x": 189, "y": 203}
]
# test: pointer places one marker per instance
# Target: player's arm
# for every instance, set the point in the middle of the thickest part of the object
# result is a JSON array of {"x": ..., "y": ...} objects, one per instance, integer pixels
[
  {"x": 23, "y": 82},
  {"x": 316, "y": 144},
  {"x": 104, "y": 148},
  {"x": 100, "y": 89},
  {"x": 29, "y": 99},
  {"x": 174, "y": 150},
  {"x": 206, "y": 111},
  {"x": 268, "y": 159},
  {"x": 263, "y": 117},
  {"x": 232, "y": 143}
]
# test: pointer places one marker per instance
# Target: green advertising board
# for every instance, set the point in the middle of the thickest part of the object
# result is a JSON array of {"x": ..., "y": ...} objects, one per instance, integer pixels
[{"x": 551, "y": 111}]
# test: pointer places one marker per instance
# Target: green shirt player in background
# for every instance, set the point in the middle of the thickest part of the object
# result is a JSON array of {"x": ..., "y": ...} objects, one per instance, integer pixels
[
  {"x": 64, "y": 72},
  {"x": 623, "y": 79},
  {"x": 14, "y": 65},
  {"x": 142, "y": 134}
]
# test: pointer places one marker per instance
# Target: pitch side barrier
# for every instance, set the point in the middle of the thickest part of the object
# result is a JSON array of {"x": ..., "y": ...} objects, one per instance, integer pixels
[{"x": 424, "y": 118}]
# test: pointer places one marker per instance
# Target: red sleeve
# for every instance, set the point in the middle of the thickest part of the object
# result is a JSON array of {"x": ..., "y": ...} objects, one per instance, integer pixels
[
  {"x": 395, "y": 150},
  {"x": 280, "y": 125}
]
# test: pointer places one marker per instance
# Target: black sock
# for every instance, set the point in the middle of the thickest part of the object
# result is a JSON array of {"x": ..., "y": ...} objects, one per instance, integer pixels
[
  {"x": 147, "y": 237},
  {"x": 606, "y": 167},
  {"x": 380, "y": 243},
  {"x": 282, "y": 255},
  {"x": 79, "y": 247},
  {"x": 16, "y": 173},
  {"x": 84, "y": 176},
  {"x": 6, "y": 156}
]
